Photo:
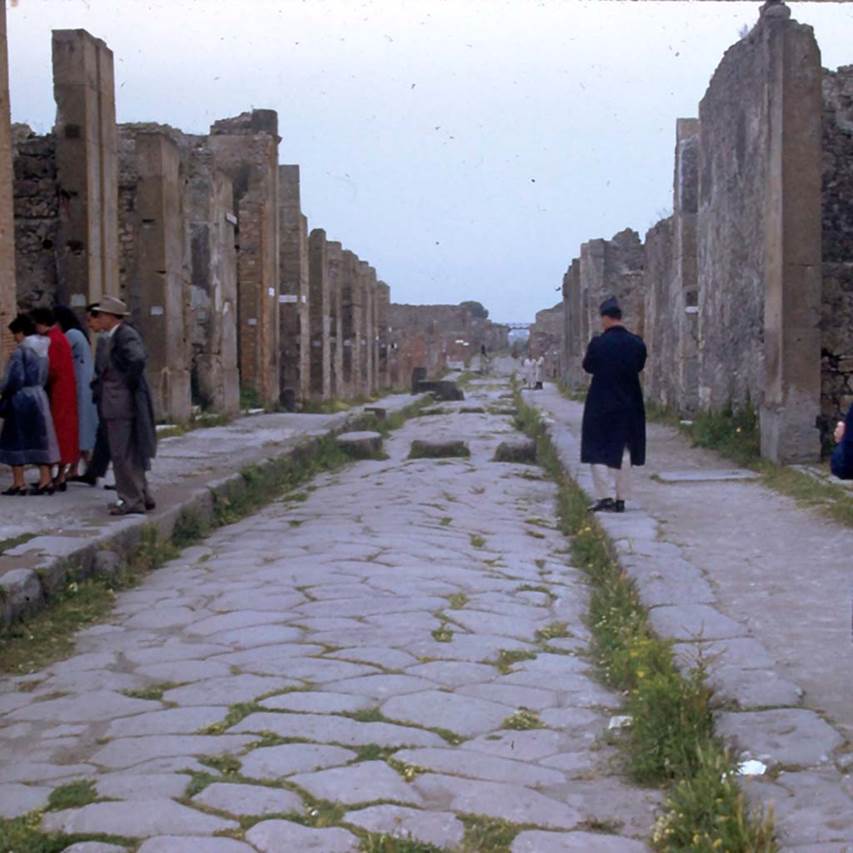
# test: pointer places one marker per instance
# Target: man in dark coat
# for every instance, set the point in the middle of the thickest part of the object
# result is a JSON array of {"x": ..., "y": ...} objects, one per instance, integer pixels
[
  {"x": 614, "y": 417},
  {"x": 125, "y": 406},
  {"x": 842, "y": 456}
]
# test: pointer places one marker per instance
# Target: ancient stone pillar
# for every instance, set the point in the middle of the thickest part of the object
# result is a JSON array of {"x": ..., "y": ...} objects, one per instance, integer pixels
[
  {"x": 685, "y": 295},
  {"x": 246, "y": 149},
  {"x": 351, "y": 305},
  {"x": 383, "y": 302},
  {"x": 363, "y": 287},
  {"x": 87, "y": 168},
  {"x": 7, "y": 225},
  {"x": 369, "y": 314},
  {"x": 334, "y": 258},
  {"x": 213, "y": 293},
  {"x": 320, "y": 315},
  {"x": 158, "y": 286},
  {"x": 294, "y": 287}
]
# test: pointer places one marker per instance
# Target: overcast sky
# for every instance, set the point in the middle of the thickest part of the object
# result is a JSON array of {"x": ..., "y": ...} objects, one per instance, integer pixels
[{"x": 464, "y": 147}]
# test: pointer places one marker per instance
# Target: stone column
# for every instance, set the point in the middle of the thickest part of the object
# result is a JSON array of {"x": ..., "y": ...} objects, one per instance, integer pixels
[
  {"x": 320, "y": 315},
  {"x": 213, "y": 293},
  {"x": 685, "y": 296},
  {"x": 334, "y": 258},
  {"x": 294, "y": 286},
  {"x": 158, "y": 287},
  {"x": 246, "y": 149},
  {"x": 383, "y": 302},
  {"x": 7, "y": 225},
  {"x": 351, "y": 325},
  {"x": 365, "y": 375},
  {"x": 87, "y": 168},
  {"x": 792, "y": 305}
]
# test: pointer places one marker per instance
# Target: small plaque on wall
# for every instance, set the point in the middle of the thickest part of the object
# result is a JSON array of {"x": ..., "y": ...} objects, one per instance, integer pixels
[
  {"x": 271, "y": 291},
  {"x": 287, "y": 298},
  {"x": 78, "y": 300},
  {"x": 252, "y": 321},
  {"x": 230, "y": 217},
  {"x": 156, "y": 310}
]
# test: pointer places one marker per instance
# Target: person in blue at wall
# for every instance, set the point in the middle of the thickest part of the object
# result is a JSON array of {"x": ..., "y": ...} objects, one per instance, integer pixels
[{"x": 842, "y": 456}]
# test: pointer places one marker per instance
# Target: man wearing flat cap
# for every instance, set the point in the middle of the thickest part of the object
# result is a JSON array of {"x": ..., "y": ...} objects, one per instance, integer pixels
[
  {"x": 126, "y": 408},
  {"x": 613, "y": 436}
]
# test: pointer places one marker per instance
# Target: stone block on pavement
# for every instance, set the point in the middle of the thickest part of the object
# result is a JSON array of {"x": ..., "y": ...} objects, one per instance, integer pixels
[
  {"x": 362, "y": 444},
  {"x": 423, "y": 449}
]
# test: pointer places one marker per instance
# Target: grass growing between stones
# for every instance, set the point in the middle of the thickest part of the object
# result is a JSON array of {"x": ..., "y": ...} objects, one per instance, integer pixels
[
  {"x": 671, "y": 741},
  {"x": 24, "y": 835},
  {"x": 522, "y": 720},
  {"x": 73, "y": 795},
  {"x": 490, "y": 834},
  {"x": 14, "y": 541}
]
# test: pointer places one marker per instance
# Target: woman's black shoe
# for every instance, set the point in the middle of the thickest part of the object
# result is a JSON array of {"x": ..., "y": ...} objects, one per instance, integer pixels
[
  {"x": 83, "y": 478},
  {"x": 59, "y": 485},
  {"x": 41, "y": 490},
  {"x": 15, "y": 490},
  {"x": 604, "y": 505}
]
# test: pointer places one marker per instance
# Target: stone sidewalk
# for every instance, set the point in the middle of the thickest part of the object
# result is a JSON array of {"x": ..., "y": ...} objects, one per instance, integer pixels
[
  {"x": 402, "y": 650},
  {"x": 75, "y": 524},
  {"x": 763, "y": 588}
]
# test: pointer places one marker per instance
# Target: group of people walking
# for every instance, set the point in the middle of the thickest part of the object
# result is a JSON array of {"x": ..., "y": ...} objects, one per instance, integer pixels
[
  {"x": 62, "y": 403},
  {"x": 532, "y": 370}
]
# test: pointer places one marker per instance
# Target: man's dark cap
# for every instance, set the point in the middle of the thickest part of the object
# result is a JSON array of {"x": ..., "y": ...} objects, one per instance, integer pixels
[{"x": 610, "y": 308}]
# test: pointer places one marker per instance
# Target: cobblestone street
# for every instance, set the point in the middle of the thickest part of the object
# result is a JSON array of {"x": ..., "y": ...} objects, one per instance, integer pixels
[{"x": 398, "y": 649}]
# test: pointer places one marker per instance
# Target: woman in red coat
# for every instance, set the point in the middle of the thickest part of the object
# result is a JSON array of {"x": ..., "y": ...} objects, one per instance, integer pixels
[{"x": 62, "y": 392}]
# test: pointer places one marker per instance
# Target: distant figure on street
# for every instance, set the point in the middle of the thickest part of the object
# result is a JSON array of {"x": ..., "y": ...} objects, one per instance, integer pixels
[
  {"x": 614, "y": 417},
  {"x": 538, "y": 372},
  {"x": 81, "y": 353},
  {"x": 62, "y": 393},
  {"x": 126, "y": 408},
  {"x": 842, "y": 456},
  {"x": 28, "y": 437},
  {"x": 527, "y": 372}
]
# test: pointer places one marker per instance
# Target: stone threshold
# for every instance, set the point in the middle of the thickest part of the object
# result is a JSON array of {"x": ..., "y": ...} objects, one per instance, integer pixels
[{"x": 54, "y": 560}]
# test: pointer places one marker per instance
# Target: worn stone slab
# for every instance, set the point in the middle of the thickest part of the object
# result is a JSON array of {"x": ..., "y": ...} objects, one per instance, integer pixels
[
  {"x": 464, "y": 715},
  {"x": 276, "y": 836},
  {"x": 387, "y": 658},
  {"x": 707, "y": 475},
  {"x": 481, "y": 766},
  {"x": 249, "y": 800},
  {"x": 441, "y": 829},
  {"x": 275, "y": 762},
  {"x": 136, "y": 819},
  {"x": 536, "y": 841},
  {"x": 361, "y": 783},
  {"x": 227, "y": 691},
  {"x": 141, "y": 786},
  {"x": 42, "y": 771},
  {"x": 318, "y": 702},
  {"x": 94, "y": 847},
  {"x": 506, "y": 802},
  {"x": 235, "y": 620},
  {"x": 90, "y": 707},
  {"x": 172, "y": 721},
  {"x": 193, "y": 844},
  {"x": 741, "y": 652},
  {"x": 453, "y": 673},
  {"x": 694, "y": 622},
  {"x": 17, "y": 799},
  {"x": 128, "y": 751},
  {"x": 753, "y": 688},
  {"x": 532, "y": 745},
  {"x": 790, "y": 736},
  {"x": 514, "y": 695},
  {"x": 329, "y": 729},
  {"x": 380, "y": 687},
  {"x": 361, "y": 444}
]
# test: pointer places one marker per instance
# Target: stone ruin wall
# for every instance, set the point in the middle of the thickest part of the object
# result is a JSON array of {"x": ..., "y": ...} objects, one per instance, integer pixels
[
  {"x": 545, "y": 339},
  {"x": 7, "y": 202},
  {"x": 728, "y": 292}
]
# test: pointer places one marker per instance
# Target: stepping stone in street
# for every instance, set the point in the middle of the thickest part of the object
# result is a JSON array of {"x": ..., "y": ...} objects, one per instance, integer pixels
[
  {"x": 362, "y": 444},
  {"x": 703, "y": 475},
  {"x": 518, "y": 451},
  {"x": 438, "y": 449}
]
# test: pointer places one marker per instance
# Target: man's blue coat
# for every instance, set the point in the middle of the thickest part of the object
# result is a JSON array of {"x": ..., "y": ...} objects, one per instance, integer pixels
[{"x": 842, "y": 456}]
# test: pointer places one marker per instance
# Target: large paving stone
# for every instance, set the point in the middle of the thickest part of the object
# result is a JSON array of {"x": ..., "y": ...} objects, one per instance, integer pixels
[
  {"x": 87, "y": 708},
  {"x": 464, "y": 715},
  {"x": 183, "y": 671},
  {"x": 381, "y": 687},
  {"x": 275, "y": 762},
  {"x": 474, "y": 765},
  {"x": 126, "y": 752},
  {"x": 790, "y": 736},
  {"x": 504, "y": 801},
  {"x": 441, "y": 829},
  {"x": 694, "y": 622},
  {"x": 248, "y": 800},
  {"x": 232, "y": 622},
  {"x": 329, "y": 729},
  {"x": 227, "y": 691},
  {"x": 493, "y": 623},
  {"x": 753, "y": 688},
  {"x": 453, "y": 673},
  {"x": 378, "y": 656},
  {"x": 136, "y": 819},
  {"x": 193, "y": 844},
  {"x": 535, "y": 841},
  {"x": 512, "y": 694},
  {"x": 532, "y": 745},
  {"x": 43, "y": 771},
  {"x": 16, "y": 799},
  {"x": 141, "y": 786},
  {"x": 171, "y": 721},
  {"x": 277, "y": 836},
  {"x": 94, "y": 847},
  {"x": 318, "y": 702},
  {"x": 360, "y": 783}
]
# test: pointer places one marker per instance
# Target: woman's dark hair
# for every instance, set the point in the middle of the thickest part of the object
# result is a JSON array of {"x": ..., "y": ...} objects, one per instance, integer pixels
[
  {"x": 23, "y": 325},
  {"x": 68, "y": 320},
  {"x": 43, "y": 316}
]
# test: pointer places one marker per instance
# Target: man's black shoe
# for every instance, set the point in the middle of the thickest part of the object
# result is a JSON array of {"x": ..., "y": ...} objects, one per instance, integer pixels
[
  {"x": 604, "y": 505},
  {"x": 83, "y": 478},
  {"x": 620, "y": 506}
]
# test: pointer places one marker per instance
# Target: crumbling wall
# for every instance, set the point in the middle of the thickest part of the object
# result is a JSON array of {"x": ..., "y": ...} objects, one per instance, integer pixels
[
  {"x": 36, "y": 218},
  {"x": 661, "y": 323},
  {"x": 759, "y": 234},
  {"x": 7, "y": 203},
  {"x": 837, "y": 232},
  {"x": 320, "y": 316},
  {"x": 334, "y": 257},
  {"x": 545, "y": 340}
]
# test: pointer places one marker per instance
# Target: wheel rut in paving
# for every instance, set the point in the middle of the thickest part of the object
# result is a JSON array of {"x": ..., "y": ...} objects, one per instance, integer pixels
[{"x": 370, "y": 643}]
